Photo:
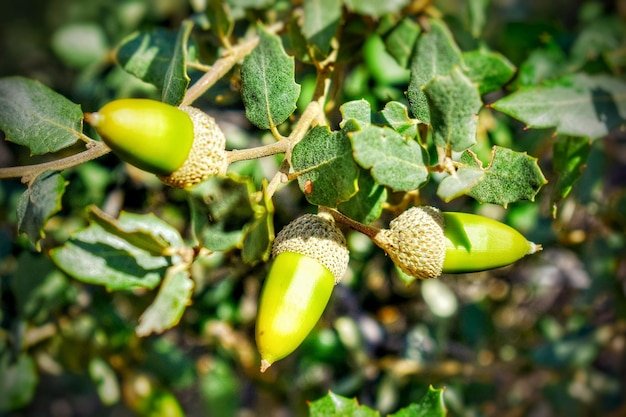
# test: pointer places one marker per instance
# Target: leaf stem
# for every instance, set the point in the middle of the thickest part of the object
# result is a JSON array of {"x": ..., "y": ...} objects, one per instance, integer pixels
[{"x": 28, "y": 172}]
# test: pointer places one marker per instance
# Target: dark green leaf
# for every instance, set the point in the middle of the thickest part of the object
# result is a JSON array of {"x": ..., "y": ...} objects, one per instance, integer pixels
[
  {"x": 169, "y": 305},
  {"x": 436, "y": 53},
  {"x": 367, "y": 204},
  {"x": 400, "y": 41},
  {"x": 489, "y": 70},
  {"x": 431, "y": 405},
  {"x": 96, "y": 256},
  {"x": 454, "y": 104},
  {"x": 576, "y": 105},
  {"x": 570, "y": 158},
  {"x": 176, "y": 78},
  {"x": 327, "y": 173},
  {"x": 257, "y": 243},
  {"x": 18, "y": 381},
  {"x": 511, "y": 176},
  {"x": 334, "y": 405},
  {"x": 218, "y": 13},
  {"x": 463, "y": 180},
  {"x": 38, "y": 203},
  {"x": 375, "y": 8},
  {"x": 321, "y": 19},
  {"x": 33, "y": 115},
  {"x": 543, "y": 64},
  {"x": 268, "y": 88},
  {"x": 394, "y": 160}
]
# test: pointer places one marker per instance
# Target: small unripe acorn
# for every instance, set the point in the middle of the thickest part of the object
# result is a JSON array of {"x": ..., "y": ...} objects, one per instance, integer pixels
[
  {"x": 310, "y": 257},
  {"x": 424, "y": 243},
  {"x": 182, "y": 146}
]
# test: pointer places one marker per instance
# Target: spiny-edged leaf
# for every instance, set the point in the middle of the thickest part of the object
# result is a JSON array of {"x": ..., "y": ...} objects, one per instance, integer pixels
[
  {"x": 145, "y": 231},
  {"x": 176, "y": 78},
  {"x": 33, "y": 115},
  {"x": 169, "y": 305},
  {"x": 454, "y": 104},
  {"x": 396, "y": 115},
  {"x": 488, "y": 69},
  {"x": 400, "y": 41},
  {"x": 218, "y": 13},
  {"x": 477, "y": 10},
  {"x": 576, "y": 105},
  {"x": 220, "y": 209},
  {"x": 38, "y": 203},
  {"x": 96, "y": 256},
  {"x": 257, "y": 243},
  {"x": 321, "y": 19},
  {"x": 334, "y": 405},
  {"x": 268, "y": 86},
  {"x": 358, "y": 110},
  {"x": 394, "y": 160},
  {"x": 327, "y": 173},
  {"x": 375, "y": 8},
  {"x": 436, "y": 53},
  {"x": 367, "y": 204},
  {"x": 430, "y": 405},
  {"x": 569, "y": 159},
  {"x": 511, "y": 176},
  {"x": 463, "y": 180},
  {"x": 148, "y": 55}
]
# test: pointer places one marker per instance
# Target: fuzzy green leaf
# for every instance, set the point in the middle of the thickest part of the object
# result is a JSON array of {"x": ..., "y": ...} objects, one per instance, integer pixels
[
  {"x": 570, "y": 158},
  {"x": 394, "y": 160},
  {"x": 454, "y": 104},
  {"x": 358, "y": 110},
  {"x": 436, "y": 54},
  {"x": 33, "y": 115},
  {"x": 334, "y": 405},
  {"x": 38, "y": 203},
  {"x": 375, "y": 8},
  {"x": 327, "y": 173},
  {"x": 176, "y": 78},
  {"x": 367, "y": 204},
  {"x": 489, "y": 70},
  {"x": 397, "y": 116},
  {"x": 511, "y": 176},
  {"x": 268, "y": 86},
  {"x": 576, "y": 105},
  {"x": 400, "y": 41},
  {"x": 96, "y": 256},
  {"x": 321, "y": 19},
  {"x": 464, "y": 179},
  {"x": 169, "y": 305},
  {"x": 218, "y": 13}
]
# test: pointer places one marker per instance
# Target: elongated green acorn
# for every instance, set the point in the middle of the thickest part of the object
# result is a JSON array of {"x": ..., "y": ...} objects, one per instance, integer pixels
[
  {"x": 424, "y": 243},
  {"x": 182, "y": 146},
  {"x": 310, "y": 257}
]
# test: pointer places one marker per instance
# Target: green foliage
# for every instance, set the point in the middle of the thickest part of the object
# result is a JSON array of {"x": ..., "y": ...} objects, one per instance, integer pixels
[{"x": 120, "y": 295}]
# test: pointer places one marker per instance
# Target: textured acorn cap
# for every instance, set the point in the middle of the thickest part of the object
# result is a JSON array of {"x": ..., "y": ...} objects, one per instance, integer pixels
[
  {"x": 207, "y": 156},
  {"x": 415, "y": 242},
  {"x": 318, "y": 237}
]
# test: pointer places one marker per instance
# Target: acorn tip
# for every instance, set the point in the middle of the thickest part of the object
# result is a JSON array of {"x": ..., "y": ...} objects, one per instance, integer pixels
[
  {"x": 265, "y": 364},
  {"x": 534, "y": 248}
]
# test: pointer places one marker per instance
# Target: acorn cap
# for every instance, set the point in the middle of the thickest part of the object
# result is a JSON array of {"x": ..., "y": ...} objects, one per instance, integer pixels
[
  {"x": 415, "y": 242},
  {"x": 207, "y": 156},
  {"x": 318, "y": 237}
]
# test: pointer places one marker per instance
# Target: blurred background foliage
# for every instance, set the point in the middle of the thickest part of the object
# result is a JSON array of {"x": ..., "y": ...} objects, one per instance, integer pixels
[{"x": 544, "y": 337}]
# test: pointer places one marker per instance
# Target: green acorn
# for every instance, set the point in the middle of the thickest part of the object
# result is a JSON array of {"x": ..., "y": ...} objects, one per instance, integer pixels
[
  {"x": 182, "y": 146},
  {"x": 424, "y": 243},
  {"x": 310, "y": 257}
]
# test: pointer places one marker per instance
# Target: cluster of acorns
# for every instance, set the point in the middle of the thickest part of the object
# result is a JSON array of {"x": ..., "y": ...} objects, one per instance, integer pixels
[{"x": 184, "y": 146}]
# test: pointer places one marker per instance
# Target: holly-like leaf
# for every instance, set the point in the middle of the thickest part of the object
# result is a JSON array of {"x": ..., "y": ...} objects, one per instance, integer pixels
[
  {"x": 463, "y": 180},
  {"x": 430, "y": 405},
  {"x": 400, "y": 41},
  {"x": 367, "y": 204},
  {"x": 577, "y": 105},
  {"x": 268, "y": 86},
  {"x": 327, "y": 173},
  {"x": 396, "y": 115},
  {"x": 38, "y": 203},
  {"x": 358, "y": 110},
  {"x": 511, "y": 176},
  {"x": 489, "y": 70},
  {"x": 570, "y": 158},
  {"x": 145, "y": 231},
  {"x": 454, "y": 104},
  {"x": 321, "y": 19},
  {"x": 33, "y": 115},
  {"x": 169, "y": 305},
  {"x": 220, "y": 210},
  {"x": 176, "y": 78},
  {"x": 394, "y": 160},
  {"x": 96, "y": 256},
  {"x": 436, "y": 54},
  {"x": 334, "y": 405}
]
